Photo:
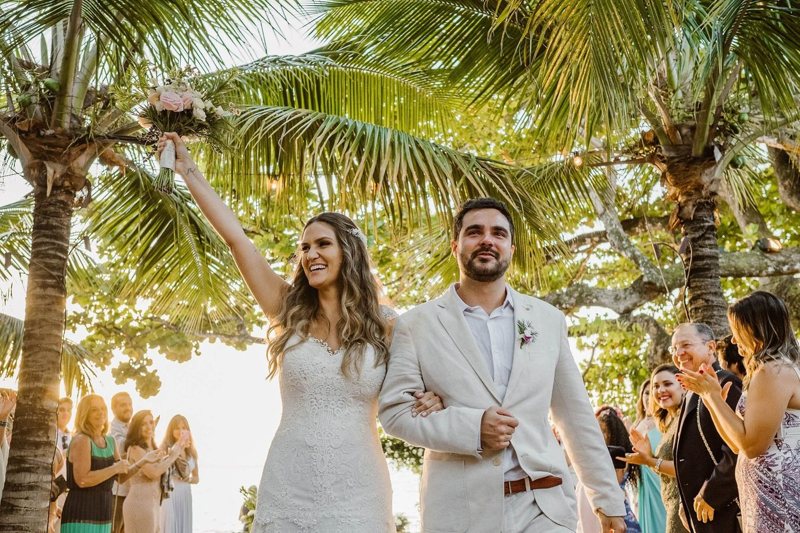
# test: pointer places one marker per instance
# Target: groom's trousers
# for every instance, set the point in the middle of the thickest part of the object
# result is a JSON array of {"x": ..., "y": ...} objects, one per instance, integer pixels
[{"x": 521, "y": 514}]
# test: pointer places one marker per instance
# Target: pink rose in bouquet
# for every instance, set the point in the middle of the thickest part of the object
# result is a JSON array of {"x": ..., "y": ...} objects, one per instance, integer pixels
[
  {"x": 171, "y": 101},
  {"x": 176, "y": 106},
  {"x": 187, "y": 98}
]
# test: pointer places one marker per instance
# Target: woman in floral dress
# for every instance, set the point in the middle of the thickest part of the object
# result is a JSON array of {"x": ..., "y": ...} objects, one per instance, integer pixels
[{"x": 765, "y": 430}]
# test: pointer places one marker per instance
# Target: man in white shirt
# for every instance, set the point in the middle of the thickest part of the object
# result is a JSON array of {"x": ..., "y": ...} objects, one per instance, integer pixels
[
  {"x": 500, "y": 361},
  {"x": 63, "y": 438},
  {"x": 122, "y": 407},
  {"x": 63, "y": 416}
]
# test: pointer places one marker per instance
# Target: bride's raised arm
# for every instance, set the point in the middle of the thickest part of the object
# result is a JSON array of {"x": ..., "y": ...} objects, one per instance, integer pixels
[{"x": 267, "y": 286}]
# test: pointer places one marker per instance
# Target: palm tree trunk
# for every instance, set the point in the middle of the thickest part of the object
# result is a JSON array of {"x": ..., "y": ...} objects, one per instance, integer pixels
[
  {"x": 707, "y": 304},
  {"x": 24, "y": 508}
]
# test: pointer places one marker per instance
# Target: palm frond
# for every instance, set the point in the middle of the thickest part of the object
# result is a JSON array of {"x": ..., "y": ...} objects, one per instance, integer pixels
[
  {"x": 744, "y": 175},
  {"x": 77, "y": 364},
  {"x": 453, "y": 40},
  {"x": 16, "y": 224},
  {"x": 288, "y": 155},
  {"x": 765, "y": 36},
  {"x": 176, "y": 260},
  {"x": 174, "y": 32},
  {"x": 595, "y": 62},
  {"x": 346, "y": 84},
  {"x": 16, "y": 227}
]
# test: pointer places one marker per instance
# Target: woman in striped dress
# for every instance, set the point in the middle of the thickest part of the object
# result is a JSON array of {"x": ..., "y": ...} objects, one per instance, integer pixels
[{"x": 93, "y": 462}]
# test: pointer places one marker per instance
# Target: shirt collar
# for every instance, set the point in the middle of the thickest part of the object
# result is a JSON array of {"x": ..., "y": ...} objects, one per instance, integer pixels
[{"x": 464, "y": 308}]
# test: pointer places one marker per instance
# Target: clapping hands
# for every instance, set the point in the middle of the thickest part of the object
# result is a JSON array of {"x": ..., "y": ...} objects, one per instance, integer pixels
[
  {"x": 704, "y": 382},
  {"x": 643, "y": 452}
]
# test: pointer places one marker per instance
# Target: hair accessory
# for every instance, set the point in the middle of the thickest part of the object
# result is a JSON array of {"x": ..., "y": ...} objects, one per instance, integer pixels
[{"x": 355, "y": 232}]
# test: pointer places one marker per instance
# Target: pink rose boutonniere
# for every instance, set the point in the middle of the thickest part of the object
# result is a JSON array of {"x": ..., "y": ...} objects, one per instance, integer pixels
[{"x": 527, "y": 334}]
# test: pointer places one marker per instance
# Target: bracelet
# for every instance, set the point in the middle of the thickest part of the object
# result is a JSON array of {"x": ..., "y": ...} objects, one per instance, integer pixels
[{"x": 658, "y": 465}]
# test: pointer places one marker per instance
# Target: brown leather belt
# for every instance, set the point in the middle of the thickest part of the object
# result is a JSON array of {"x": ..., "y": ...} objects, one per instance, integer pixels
[{"x": 519, "y": 485}]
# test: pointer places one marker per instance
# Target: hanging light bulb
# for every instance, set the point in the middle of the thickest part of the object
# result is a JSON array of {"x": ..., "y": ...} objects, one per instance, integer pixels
[{"x": 577, "y": 160}]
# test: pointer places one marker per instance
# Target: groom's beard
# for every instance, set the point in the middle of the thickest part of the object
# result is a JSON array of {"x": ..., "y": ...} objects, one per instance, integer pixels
[{"x": 475, "y": 269}]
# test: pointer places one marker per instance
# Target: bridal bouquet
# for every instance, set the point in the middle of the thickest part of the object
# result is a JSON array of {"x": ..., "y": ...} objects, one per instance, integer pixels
[{"x": 177, "y": 106}]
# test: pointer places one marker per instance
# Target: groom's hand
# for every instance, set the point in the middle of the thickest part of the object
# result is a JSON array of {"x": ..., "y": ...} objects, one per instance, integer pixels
[{"x": 497, "y": 427}]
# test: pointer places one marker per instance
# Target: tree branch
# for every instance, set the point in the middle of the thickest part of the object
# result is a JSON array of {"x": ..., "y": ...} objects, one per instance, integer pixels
[
  {"x": 750, "y": 264},
  {"x": 660, "y": 340},
  {"x": 604, "y": 206}
]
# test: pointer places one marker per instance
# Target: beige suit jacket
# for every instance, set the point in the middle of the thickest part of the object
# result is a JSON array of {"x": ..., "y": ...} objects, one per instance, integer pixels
[{"x": 461, "y": 490}]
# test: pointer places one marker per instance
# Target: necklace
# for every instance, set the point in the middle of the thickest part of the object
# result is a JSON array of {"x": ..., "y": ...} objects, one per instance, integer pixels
[{"x": 325, "y": 345}]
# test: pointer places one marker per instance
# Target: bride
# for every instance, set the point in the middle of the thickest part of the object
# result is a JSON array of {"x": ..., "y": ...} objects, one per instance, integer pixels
[{"x": 325, "y": 471}]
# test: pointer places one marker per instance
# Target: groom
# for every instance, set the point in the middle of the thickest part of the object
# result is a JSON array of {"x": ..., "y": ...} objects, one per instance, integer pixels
[{"x": 500, "y": 362}]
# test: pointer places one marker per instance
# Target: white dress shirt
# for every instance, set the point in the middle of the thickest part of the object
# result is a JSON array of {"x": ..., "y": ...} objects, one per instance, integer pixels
[
  {"x": 119, "y": 430},
  {"x": 495, "y": 336}
]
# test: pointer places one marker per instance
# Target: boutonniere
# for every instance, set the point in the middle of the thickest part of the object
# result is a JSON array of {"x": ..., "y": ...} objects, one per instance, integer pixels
[{"x": 527, "y": 334}]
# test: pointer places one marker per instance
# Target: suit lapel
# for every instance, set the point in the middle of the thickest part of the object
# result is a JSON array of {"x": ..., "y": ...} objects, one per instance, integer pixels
[
  {"x": 687, "y": 409},
  {"x": 523, "y": 311},
  {"x": 455, "y": 325}
]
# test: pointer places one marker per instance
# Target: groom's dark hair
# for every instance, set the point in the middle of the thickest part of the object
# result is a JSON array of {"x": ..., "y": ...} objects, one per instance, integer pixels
[{"x": 481, "y": 203}]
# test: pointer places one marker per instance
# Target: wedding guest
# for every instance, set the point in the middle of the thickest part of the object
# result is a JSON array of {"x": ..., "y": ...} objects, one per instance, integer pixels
[
  {"x": 63, "y": 438},
  {"x": 615, "y": 434},
  {"x": 329, "y": 345},
  {"x": 729, "y": 357},
  {"x": 141, "y": 510},
  {"x": 93, "y": 461},
  {"x": 63, "y": 416},
  {"x": 705, "y": 464},
  {"x": 176, "y": 511},
  {"x": 59, "y": 466},
  {"x": 8, "y": 403},
  {"x": 122, "y": 407},
  {"x": 765, "y": 427},
  {"x": 665, "y": 403},
  {"x": 650, "y": 508}
]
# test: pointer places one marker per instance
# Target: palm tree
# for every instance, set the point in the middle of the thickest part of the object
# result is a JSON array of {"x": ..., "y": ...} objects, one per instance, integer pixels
[
  {"x": 683, "y": 88},
  {"x": 348, "y": 133}
]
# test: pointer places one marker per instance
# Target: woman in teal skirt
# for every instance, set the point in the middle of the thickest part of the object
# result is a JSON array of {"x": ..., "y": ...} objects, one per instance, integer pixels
[
  {"x": 651, "y": 512},
  {"x": 93, "y": 462}
]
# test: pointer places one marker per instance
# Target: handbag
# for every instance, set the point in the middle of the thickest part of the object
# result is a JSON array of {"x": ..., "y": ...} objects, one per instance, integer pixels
[{"x": 166, "y": 484}]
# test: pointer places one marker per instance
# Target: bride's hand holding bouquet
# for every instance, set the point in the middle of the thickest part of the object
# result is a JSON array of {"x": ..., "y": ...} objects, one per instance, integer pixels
[
  {"x": 183, "y": 159},
  {"x": 177, "y": 107}
]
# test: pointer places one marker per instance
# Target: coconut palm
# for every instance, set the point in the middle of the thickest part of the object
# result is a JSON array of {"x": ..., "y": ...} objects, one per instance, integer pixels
[
  {"x": 684, "y": 88},
  {"x": 335, "y": 128}
]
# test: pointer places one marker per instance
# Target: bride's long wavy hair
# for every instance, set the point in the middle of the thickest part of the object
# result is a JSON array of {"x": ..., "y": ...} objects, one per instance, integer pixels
[{"x": 362, "y": 322}]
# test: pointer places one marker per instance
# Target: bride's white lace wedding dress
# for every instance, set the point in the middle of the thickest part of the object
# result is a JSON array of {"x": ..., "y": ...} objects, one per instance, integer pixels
[{"x": 325, "y": 471}]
